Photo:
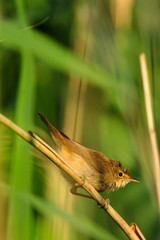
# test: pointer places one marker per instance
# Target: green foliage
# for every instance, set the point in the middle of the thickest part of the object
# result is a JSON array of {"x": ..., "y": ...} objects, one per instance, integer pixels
[{"x": 49, "y": 209}]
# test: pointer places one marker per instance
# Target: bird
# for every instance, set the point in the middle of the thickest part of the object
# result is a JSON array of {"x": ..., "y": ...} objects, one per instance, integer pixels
[{"x": 102, "y": 172}]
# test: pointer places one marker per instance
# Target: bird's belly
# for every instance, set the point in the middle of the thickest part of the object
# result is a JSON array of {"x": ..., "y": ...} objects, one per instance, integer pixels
[{"x": 84, "y": 170}]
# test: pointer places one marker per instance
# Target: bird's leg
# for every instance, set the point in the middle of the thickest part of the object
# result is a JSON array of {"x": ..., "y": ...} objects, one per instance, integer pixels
[
  {"x": 73, "y": 190},
  {"x": 106, "y": 204}
]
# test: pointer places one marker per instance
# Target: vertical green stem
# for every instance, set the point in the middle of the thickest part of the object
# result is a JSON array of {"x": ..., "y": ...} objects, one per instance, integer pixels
[{"x": 20, "y": 216}]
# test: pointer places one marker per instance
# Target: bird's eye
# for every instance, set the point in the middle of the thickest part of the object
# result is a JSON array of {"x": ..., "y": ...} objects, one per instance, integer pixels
[{"x": 120, "y": 174}]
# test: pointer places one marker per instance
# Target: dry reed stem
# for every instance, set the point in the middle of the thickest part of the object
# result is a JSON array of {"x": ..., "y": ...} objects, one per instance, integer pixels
[
  {"x": 60, "y": 162},
  {"x": 151, "y": 125},
  {"x": 136, "y": 229}
]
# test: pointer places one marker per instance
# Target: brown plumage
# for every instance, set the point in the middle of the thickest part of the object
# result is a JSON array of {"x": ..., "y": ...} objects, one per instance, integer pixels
[{"x": 103, "y": 173}]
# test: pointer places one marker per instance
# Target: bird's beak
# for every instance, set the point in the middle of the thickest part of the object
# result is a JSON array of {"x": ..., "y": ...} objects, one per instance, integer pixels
[{"x": 134, "y": 180}]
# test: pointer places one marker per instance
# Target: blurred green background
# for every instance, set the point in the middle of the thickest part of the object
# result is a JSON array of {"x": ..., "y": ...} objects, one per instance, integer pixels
[{"x": 77, "y": 62}]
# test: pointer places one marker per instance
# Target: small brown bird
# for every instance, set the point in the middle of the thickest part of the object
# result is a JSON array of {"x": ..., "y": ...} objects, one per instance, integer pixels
[{"x": 103, "y": 173}]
